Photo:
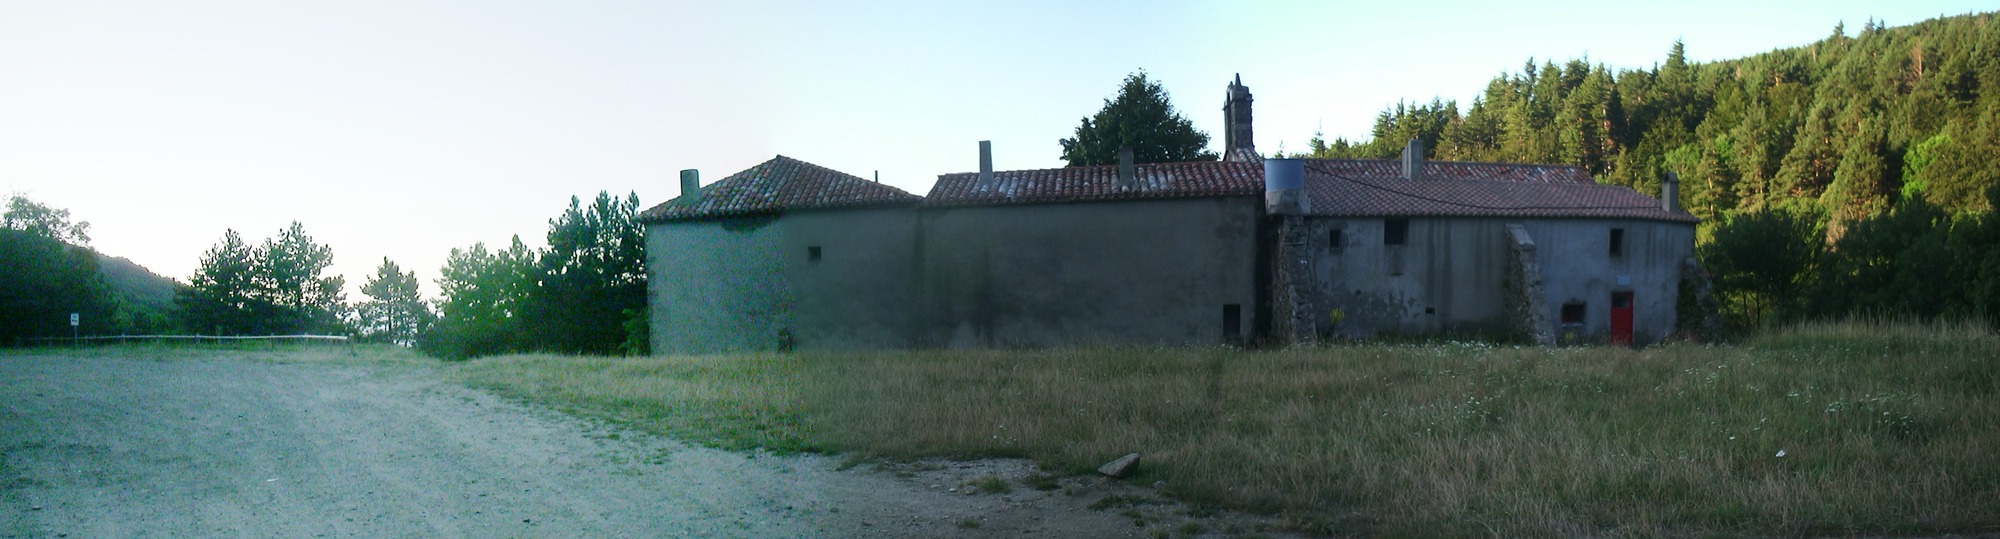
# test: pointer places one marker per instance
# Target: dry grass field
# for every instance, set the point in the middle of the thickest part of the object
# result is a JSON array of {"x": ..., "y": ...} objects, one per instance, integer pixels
[{"x": 1833, "y": 429}]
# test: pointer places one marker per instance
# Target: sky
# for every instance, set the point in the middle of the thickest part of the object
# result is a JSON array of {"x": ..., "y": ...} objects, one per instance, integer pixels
[{"x": 404, "y": 128}]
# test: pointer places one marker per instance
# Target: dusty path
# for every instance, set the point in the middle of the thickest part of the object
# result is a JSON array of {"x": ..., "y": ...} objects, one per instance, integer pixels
[{"x": 109, "y": 445}]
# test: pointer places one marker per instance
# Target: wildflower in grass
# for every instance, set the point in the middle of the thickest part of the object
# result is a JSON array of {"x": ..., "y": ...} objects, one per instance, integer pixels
[{"x": 1781, "y": 453}]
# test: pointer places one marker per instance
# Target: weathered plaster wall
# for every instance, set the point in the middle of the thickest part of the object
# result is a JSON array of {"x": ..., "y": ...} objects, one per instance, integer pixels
[
  {"x": 1108, "y": 273},
  {"x": 1450, "y": 276},
  {"x": 717, "y": 286},
  {"x": 752, "y": 284},
  {"x": 1577, "y": 266},
  {"x": 859, "y": 294}
]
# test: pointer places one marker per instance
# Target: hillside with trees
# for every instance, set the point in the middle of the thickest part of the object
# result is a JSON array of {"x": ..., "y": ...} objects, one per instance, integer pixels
[
  {"x": 48, "y": 271},
  {"x": 1852, "y": 175},
  {"x": 1843, "y": 127}
]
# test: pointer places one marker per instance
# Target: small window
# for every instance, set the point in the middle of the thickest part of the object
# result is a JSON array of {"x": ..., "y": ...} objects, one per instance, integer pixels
[
  {"x": 1621, "y": 300},
  {"x": 1617, "y": 242},
  {"x": 1395, "y": 231},
  {"x": 1572, "y": 314},
  {"x": 812, "y": 253},
  {"x": 1334, "y": 241},
  {"x": 1232, "y": 321}
]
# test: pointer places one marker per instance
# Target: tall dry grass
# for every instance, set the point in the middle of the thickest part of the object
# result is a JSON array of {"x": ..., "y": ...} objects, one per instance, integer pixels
[{"x": 1884, "y": 428}]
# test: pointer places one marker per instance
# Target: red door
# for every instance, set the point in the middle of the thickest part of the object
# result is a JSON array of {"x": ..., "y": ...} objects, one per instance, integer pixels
[{"x": 1621, "y": 318}]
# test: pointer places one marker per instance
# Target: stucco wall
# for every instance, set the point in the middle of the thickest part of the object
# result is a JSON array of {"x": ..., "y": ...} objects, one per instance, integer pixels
[
  {"x": 1453, "y": 274},
  {"x": 859, "y": 294},
  {"x": 717, "y": 286},
  {"x": 751, "y": 283},
  {"x": 1108, "y": 273}
]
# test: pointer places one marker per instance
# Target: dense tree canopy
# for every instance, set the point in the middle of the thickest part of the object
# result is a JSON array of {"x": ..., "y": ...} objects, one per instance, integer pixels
[
  {"x": 585, "y": 293},
  {"x": 277, "y": 288},
  {"x": 593, "y": 276},
  {"x": 1140, "y": 117},
  {"x": 1843, "y": 128},
  {"x": 48, "y": 272},
  {"x": 1852, "y": 175}
]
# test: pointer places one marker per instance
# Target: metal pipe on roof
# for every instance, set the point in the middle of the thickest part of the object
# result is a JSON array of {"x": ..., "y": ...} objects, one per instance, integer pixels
[{"x": 1285, "y": 186}]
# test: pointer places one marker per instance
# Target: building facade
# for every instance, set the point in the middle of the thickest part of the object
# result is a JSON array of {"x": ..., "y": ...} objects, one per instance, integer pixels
[{"x": 789, "y": 255}]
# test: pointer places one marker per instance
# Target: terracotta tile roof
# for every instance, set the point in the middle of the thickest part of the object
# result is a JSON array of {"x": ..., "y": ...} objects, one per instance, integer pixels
[
  {"x": 1454, "y": 170},
  {"x": 1099, "y": 183},
  {"x": 779, "y": 185},
  {"x": 1368, "y": 187}
]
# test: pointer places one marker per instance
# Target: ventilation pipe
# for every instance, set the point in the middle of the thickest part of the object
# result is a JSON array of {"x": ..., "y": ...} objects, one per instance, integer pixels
[
  {"x": 691, "y": 185},
  {"x": 1285, "y": 187},
  {"x": 1670, "y": 193},
  {"x": 985, "y": 163},
  {"x": 1127, "y": 174},
  {"x": 1413, "y": 160}
]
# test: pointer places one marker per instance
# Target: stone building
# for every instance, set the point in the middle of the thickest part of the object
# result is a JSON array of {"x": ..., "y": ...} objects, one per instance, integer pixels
[
  {"x": 1243, "y": 250},
  {"x": 781, "y": 254},
  {"x": 1414, "y": 247}
]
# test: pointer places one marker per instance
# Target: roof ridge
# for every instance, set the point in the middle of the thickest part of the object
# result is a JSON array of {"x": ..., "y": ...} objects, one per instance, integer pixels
[
  {"x": 1447, "y": 162},
  {"x": 1104, "y": 167}
]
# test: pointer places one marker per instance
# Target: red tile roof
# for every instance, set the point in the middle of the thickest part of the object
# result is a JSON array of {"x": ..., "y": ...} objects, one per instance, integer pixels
[
  {"x": 1369, "y": 187},
  {"x": 1099, "y": 183},
  {"x": 779, "y": 185}
]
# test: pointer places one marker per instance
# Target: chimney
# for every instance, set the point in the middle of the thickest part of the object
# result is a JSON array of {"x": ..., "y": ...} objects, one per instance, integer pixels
[
  {"x": 691, "y": 185},
  {"x": 1413, "y": 160},
  {"x": 1127, "y": 175},
  {"x": 985, "y": 164},
  {"x": 1236, "y": 130},
  {"x": 1670, "y": 193},
  {"x": 1285, "y": 187}
]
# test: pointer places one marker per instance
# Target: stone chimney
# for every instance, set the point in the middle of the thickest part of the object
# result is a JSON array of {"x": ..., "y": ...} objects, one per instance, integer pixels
[
  {"x": 1127, "y": 173},
  {"x": 1670, "y": 193},
  {"x": 985, "y": 164},
  {"x": 1236, "y": 132},
  {"x": 1413, "y": 160},
  {"x": 691, "y": 186}
]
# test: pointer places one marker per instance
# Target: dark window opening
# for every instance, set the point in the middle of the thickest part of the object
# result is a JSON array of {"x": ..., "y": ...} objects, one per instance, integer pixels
[
  {"x": 1333, "y": 241},
  {"x": 812, "y": 253},
  {"x": 1232, "y": 321},
  {"x": 1572, "y": 314},
  {"x": 1430, "y": 310},
  {"x": 1621, "y": 300},
  {"x": 1617, "y": 242},
  {"x": 1395, "y": 231}
]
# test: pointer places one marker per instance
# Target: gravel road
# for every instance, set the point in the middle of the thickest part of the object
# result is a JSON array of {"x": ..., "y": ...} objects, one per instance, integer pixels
[{"x": 128, "y": 443}]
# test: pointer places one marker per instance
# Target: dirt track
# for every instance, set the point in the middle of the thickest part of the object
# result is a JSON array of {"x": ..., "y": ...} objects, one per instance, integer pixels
[{"x": 108, "y": 445}]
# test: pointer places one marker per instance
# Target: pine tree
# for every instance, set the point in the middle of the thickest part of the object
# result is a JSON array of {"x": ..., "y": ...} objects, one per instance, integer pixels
[
  {"x": 290, "y": 274},
  {"x": 1140, "y": 118},
  {"x": 224, "y": 297},
  {"x": 395, "y": 311}
]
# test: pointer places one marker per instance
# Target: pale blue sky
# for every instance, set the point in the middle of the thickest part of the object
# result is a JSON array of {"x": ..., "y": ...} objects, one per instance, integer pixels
[{"x": 404, "y": 129}]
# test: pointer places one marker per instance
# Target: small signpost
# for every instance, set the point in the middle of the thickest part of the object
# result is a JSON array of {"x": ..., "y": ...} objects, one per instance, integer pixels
[{"x": 74, "y": 321}]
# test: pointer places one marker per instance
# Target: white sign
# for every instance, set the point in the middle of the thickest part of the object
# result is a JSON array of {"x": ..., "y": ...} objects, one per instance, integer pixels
[{"x": 74, "y": 320}]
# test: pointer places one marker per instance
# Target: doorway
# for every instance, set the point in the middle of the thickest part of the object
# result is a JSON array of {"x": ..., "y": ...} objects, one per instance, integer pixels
[{"x": 1621, "y": 319}]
